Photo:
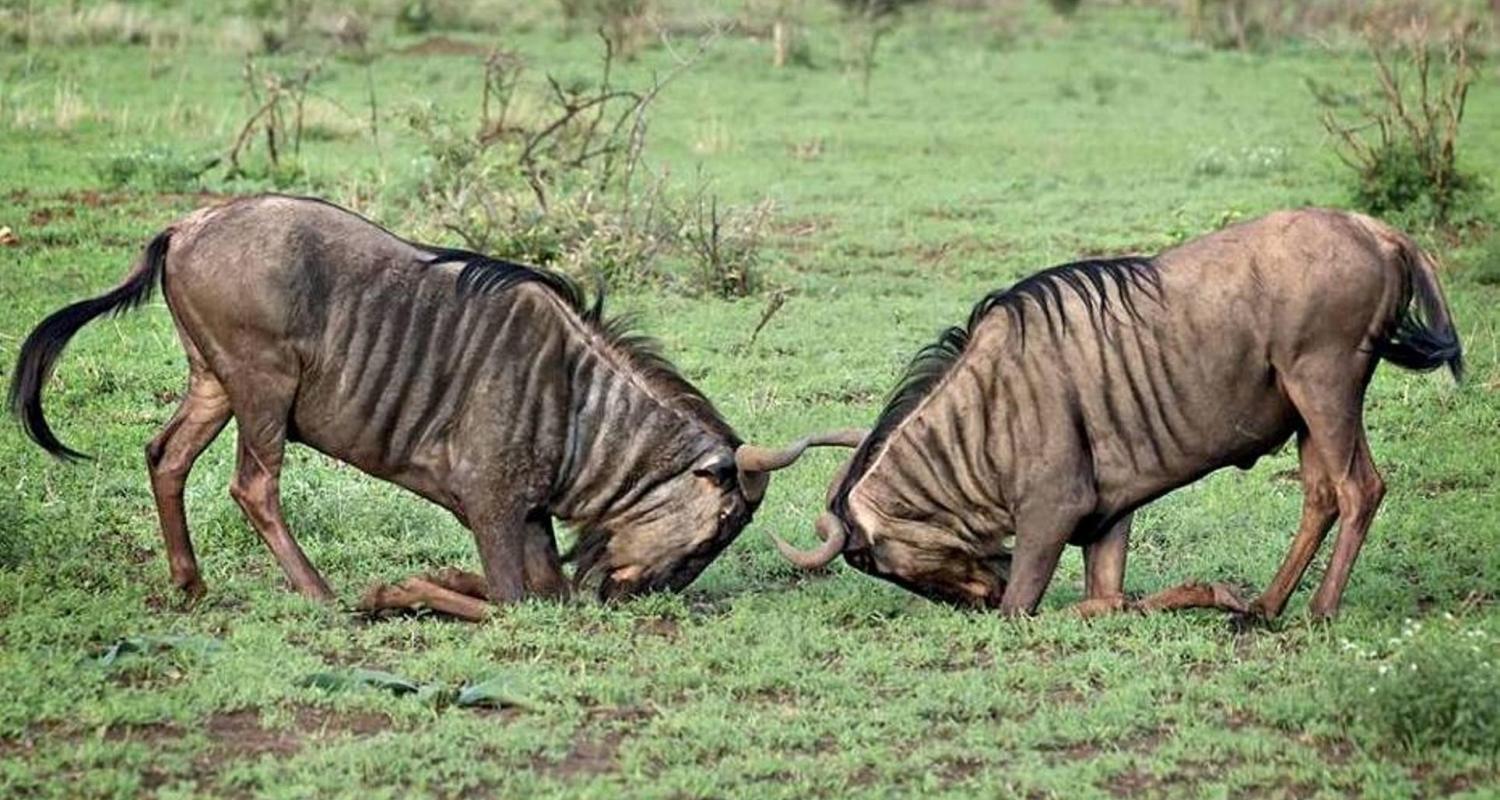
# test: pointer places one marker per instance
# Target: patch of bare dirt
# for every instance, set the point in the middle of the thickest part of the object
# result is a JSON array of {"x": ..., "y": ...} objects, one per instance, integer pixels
[
  {"x": 233, "y": 735},
  {"x": 1434, "y": 785},
  {"x": 44, "y": 216},
  {"x": 1131, "y": 783},
  {"x": 443, "y": 46},
  {"x": 801, "y": 227},
  {"x": 960, "y": 770},
  {"x": 1142, "y": 743},
  {"x": 843, "y": 397},
  {"x": 596, "y": 745},
  {"x": 658, "y": 626}
]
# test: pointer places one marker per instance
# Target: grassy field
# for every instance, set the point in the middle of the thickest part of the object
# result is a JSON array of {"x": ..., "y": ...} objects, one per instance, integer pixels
[{"x": 984, "y": 151}]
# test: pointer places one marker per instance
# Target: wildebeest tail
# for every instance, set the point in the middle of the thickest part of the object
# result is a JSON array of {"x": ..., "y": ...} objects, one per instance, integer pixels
[
  {"x": 1422, "y": 336},
  {"x": 40, "y": 351}
]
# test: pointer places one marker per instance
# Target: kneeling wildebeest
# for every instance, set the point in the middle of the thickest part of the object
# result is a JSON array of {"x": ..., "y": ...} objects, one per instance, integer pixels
[
  {"x": 1085, "y": 391},
  {"x": 487, "y": 387}
]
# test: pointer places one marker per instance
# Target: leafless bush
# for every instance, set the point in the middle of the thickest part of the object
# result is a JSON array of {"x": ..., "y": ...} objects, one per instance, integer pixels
[
  {"x": 275, "y": 97},
  {"x": 866, "y": 22},
  {"x": 1401, "y": 139},
  {"x": 725, "y": 246},
  {"x": 1244, "y": 24},
  {"x": 625, "y": 23},
  {"x": 558, "y": 182}
]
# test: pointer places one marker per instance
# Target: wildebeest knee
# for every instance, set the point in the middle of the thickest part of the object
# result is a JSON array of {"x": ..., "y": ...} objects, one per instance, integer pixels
[
  {"x": 165, "y": 470},
  {"x": 1361, "y": 494},
  {"x": 250, "y": 490},
  {"x": 1321, "y": 495},
  {"x": 155, "y": 449}
]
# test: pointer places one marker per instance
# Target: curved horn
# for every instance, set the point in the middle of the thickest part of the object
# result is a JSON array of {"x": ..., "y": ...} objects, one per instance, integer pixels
[
  {"x": 755, "y": 463},
  {"x": 834, "y": 537},
  {"x": 752, "y": 458}
]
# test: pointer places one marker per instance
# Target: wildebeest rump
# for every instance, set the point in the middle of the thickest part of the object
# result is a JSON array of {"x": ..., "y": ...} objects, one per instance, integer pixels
[
  {"x": 1085, "y": 391},
  {"x": 487, "y": 387}
]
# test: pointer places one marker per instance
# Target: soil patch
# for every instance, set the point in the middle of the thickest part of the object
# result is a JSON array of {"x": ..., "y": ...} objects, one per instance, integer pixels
[{"x": 596, "y": 745}]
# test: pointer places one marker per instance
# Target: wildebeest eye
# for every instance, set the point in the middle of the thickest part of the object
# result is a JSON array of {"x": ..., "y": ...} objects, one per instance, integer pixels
[{"x": 721, "y": 471}]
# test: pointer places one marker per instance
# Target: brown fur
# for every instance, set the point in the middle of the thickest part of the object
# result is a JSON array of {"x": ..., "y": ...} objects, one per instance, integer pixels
[
  {"x": 486, "y": 387},
  {"x": 1104, "y": 385}
]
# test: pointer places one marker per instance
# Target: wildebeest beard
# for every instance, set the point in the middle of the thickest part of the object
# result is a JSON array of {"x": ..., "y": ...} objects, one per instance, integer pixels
[{"x": 591, "y": 567}]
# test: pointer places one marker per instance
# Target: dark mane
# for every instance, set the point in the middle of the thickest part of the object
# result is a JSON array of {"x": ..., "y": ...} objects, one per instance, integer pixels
[
  {"x": 482, "y": 275},
  {"x": 1088, "y": 280}
]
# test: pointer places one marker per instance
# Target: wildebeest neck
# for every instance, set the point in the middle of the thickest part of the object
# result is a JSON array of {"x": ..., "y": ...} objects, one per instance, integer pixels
[{"x": 632, "y": 419}]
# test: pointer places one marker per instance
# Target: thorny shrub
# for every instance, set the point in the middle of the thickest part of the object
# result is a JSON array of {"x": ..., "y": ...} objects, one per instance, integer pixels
[
  {"x": 1401, "y": 138},
  {"x": 559, "y": 181}
]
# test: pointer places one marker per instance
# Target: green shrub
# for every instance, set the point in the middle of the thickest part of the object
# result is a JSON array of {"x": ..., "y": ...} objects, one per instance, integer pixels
[
  {"x": 415, "y": 16},
  {"x": 564, "y": 185}
]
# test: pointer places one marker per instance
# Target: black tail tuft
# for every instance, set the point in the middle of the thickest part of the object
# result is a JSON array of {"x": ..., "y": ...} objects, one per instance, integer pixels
[
  {"x": 1413, "y": 345},
  {"x": 1422, "y": 336},
  {"x": 42, "y": 348}
]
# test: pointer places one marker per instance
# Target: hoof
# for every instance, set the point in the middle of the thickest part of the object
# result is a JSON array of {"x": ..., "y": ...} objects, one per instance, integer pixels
[
  {"x": 191, "y": 591},
  {"x": 1248, "y": 621},
  {"x": 1226, "y": 598}
]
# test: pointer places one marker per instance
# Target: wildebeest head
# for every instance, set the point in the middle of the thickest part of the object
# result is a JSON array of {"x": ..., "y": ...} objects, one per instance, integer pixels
[
  {"x": 929, "y": 554},
  {"x": 935, "y": 557},
  {"x": 884, "y": 520},
  {"x": 676, "y": 528}
]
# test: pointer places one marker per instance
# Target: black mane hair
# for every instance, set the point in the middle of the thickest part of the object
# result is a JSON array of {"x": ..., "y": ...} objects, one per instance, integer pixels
[
  {"x": 1088, "y": 280},
  {"x": 483, "y": 274}
]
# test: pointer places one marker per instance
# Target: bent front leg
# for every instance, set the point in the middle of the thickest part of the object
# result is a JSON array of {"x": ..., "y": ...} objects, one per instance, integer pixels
[
  {"x": 421, "y": 592},
  {"x": 1193, "y": 595}
]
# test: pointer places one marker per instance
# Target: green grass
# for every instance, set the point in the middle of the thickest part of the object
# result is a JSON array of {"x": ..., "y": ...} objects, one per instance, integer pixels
[{"x": 977, "y": 159}]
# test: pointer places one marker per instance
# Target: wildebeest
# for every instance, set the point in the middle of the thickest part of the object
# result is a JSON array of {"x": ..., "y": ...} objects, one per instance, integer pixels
[
  {"x": 487, "y": 387},
  {"x": 1085, "y": 391}
]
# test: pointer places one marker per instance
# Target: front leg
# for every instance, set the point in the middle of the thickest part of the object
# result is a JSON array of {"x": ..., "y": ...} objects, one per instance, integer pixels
[
  {"x": 543, "y": 567},
  {"x": 1032, "y": 564},
  {"x": 423, "y": 592},
  {"x": 501, "y": 525},
  {"x": 1104, "y": 572}
]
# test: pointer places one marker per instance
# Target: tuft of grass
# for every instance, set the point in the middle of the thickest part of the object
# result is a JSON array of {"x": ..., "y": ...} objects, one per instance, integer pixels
[
  {"x": 153, "y": 168},
  {"x": 1436, "y": 685}
]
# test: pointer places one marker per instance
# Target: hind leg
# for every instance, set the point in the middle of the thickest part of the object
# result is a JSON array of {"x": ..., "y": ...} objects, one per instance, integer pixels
[
  {"x": 257, "y": 490},
  {"x": 169, "y": 458},
  {"x": 1319, "y": 510},
  {"x": 1359, "y": 490},
  {"x": 1330, "y": 398}
]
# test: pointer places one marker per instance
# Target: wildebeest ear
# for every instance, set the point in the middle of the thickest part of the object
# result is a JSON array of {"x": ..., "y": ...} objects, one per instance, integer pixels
[{"x": 719, "y": 468}]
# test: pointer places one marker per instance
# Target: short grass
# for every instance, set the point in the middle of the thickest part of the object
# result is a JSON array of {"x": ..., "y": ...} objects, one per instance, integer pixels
[{"x": 983, "y": 152}]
